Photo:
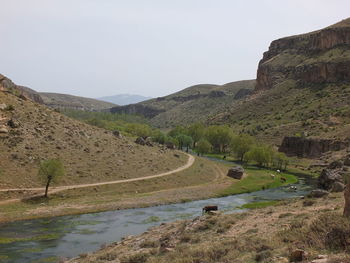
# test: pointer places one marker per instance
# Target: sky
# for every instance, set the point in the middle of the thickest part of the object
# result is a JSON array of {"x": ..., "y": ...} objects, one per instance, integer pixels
[{"x": 96, "y": 48}]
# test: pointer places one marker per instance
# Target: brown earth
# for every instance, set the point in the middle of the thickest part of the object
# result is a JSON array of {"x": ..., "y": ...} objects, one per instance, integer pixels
[{"x": 32, "y": 132}]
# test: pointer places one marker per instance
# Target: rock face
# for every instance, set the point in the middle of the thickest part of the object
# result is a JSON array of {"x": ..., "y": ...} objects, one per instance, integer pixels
[
  {"x": 146, "y": 111},
  {"x": 310, "y": 147},
  {"x": 236, "y": 172},
  {"x": 317, "y": 57},
  {"x": 328, "y": 178},
  {"x": 7, "y": 85}
]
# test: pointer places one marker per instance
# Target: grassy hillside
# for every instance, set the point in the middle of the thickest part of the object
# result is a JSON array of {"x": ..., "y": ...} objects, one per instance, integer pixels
[
  {"x": 195, "y": 103},
  {"x": 65, "y": 101},
  {"x": 30, "y": 132},
  {"x": 303, "y": 87}
]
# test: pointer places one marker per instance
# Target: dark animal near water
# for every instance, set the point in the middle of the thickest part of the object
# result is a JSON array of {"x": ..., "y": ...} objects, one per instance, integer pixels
[
  {"x": 283, "y": 180},
  {"x": 208, "y": 208}
]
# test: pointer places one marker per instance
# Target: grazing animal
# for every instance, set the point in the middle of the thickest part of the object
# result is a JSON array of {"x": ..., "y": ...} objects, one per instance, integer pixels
[
  {"x": 278, "y": 171},
  {"x": 272, "y": 176},
  {"x": 283, "y": 180},
  {"x": 208, "y": 208},
  {"x": 224, "y": 158}
]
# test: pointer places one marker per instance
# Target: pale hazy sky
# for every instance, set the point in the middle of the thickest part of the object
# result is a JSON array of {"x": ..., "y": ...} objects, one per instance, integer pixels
[{"x": 97, "y": 48}]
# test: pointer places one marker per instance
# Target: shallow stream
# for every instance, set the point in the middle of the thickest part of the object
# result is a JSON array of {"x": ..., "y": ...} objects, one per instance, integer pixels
[{"x": 47, "y": 240}]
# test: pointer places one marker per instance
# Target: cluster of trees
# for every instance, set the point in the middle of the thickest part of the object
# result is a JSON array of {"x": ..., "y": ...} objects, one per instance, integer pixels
[
  {"x": 222, "y": 139},
  {"x": 202, "y": 139}
]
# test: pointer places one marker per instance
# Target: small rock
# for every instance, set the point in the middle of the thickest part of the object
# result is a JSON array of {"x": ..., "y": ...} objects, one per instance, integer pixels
[
  {"x": 236, "y": 172},
  {"x": 3, "y": 129},
  {"x": 347, "y": 161},
  {"x": 338, "y": 187},
  {"x": 318, "y": 193},
  {"x": 13, "y": 124},
  {"x": 297, "y": 255},
  {"x": 3, "y": 106},
  {"x": 140, "y": 141},
  {"x": 335, "y": 164},
  {"x": 117, "y": 134}
]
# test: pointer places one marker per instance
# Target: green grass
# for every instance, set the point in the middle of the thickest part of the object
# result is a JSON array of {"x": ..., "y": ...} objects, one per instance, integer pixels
[
  {"x": 261, "y": 204},
  {"x": 258, "y": 179}
]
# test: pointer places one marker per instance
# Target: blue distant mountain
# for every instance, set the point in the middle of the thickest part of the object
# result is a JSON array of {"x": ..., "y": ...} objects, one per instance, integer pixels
[{"x": 124, "y": 99}]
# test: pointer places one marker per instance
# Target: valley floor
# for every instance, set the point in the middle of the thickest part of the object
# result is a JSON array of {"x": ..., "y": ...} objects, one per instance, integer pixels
[{"x": 270, "y": 234}]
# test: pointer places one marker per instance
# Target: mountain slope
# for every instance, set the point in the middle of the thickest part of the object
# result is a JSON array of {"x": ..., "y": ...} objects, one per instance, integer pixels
[
  {"x": 192, "y": 104},
  {"x": 124, "y": 99},
  {"x": 65, "y": 101},
  {"x": 303, "y": 86},
  {"x": 30, "y": 132}
]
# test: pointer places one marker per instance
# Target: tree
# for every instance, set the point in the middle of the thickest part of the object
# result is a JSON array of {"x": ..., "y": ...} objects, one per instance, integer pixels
[
  {"x": 50, "y": 170},
  {"x": 196, "y": 131},
  {"x": 203, "y": 146},
  {"x": 241, "y": 144},
  {"x": 280, "y": 160},
  {"x": 178, "y": 130},
  {"x": 219, "y": 136},
  {"x": 137, "y": 129},
  {"x": 184, "y": 141},
  {"x": 262, "y": 155}
]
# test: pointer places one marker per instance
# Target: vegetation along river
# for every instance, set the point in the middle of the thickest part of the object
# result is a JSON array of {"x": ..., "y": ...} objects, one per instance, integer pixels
[{"x": 47, "y": 240}]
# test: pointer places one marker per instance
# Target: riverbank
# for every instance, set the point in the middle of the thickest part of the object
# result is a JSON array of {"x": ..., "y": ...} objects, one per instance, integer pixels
[
  {"x": 268, "y": 234},
  {"x": 205, "y": 179}
]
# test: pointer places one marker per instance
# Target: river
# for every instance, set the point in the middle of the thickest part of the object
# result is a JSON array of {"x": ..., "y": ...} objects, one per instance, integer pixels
[{"x": 47, "y": 240}]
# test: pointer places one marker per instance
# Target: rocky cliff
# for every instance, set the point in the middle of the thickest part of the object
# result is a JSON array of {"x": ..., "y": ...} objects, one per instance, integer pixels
[
  {"x": 7, "y": 85},
  {"x": 318, "y": 57},
  {"x": 310, "y": 147}
]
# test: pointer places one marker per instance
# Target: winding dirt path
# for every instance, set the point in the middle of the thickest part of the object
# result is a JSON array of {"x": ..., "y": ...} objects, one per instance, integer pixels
[{"x": 189, "y": 163}]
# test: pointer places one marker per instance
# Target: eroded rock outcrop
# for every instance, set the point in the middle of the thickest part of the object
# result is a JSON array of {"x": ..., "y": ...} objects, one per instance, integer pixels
[
  {"x": 316, "y": 57},
  {"x": 7, "y": 85},
  {"x": 310, "y": 147}
]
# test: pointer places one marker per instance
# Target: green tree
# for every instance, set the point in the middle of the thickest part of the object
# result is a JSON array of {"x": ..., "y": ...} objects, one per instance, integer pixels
[
  {"x": 203, "y": 146},
  {"x": 196, "y": 131},
  {"x": 261, "y": 154},
  {"x": 50, "y": 170},
  {"x": 241, "y": 144},
  {"x": 178, "y": 130},
  {"x": 219, "y": 136},
  {"x": 184, "y": 141},
  {"x": 137, "y": 129},
  {"x": 280, "y": 160}
]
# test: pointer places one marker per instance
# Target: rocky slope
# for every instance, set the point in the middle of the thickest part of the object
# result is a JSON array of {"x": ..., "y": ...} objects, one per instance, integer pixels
[
  {"x": 31, "y": 132},
  {"x": 303, "y": 86},
  {"x": 307, "y": 232},
  {"x": 65, "y": 101},
  {"x": 192, "y": 104}
]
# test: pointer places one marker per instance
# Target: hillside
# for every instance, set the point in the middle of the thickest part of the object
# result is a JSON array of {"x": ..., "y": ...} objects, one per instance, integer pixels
[
  {"x": 124, "y": 99},
  {"x": 303, "y": 86},
  {"x": 31, "y": 132},
  {"x": 195, "y": 103},
  {"x": 65, "y": 101}
]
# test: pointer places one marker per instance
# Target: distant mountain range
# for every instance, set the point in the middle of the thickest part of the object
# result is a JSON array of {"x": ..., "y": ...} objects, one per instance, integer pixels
[{"x": 124, "y": 99}]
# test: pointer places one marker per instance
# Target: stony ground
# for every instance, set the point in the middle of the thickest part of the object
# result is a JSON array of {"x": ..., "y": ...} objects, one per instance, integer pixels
[{"x": 30, "y": 132}]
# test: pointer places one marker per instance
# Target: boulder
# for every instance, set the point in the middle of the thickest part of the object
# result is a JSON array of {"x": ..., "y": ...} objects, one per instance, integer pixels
[
  {"x": 170, "y": 145},
  {"x": 297, "y": 255},
  {"x": 338, "y": 187},
  {"x": 236, "y": 172},
  {"x": 140, "y": 141},
  {"x": 335, "y": 164},
  {"x": 117, "y": 134},
  {"x": 3, "y": 106},
  {"x": 318, "y": 193},
  {"x": 347, "y": 161},
  {"x": 328, "y": 177},
  {"x": 3, "y": 129},
  {"x": 13, "y": 123}
]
